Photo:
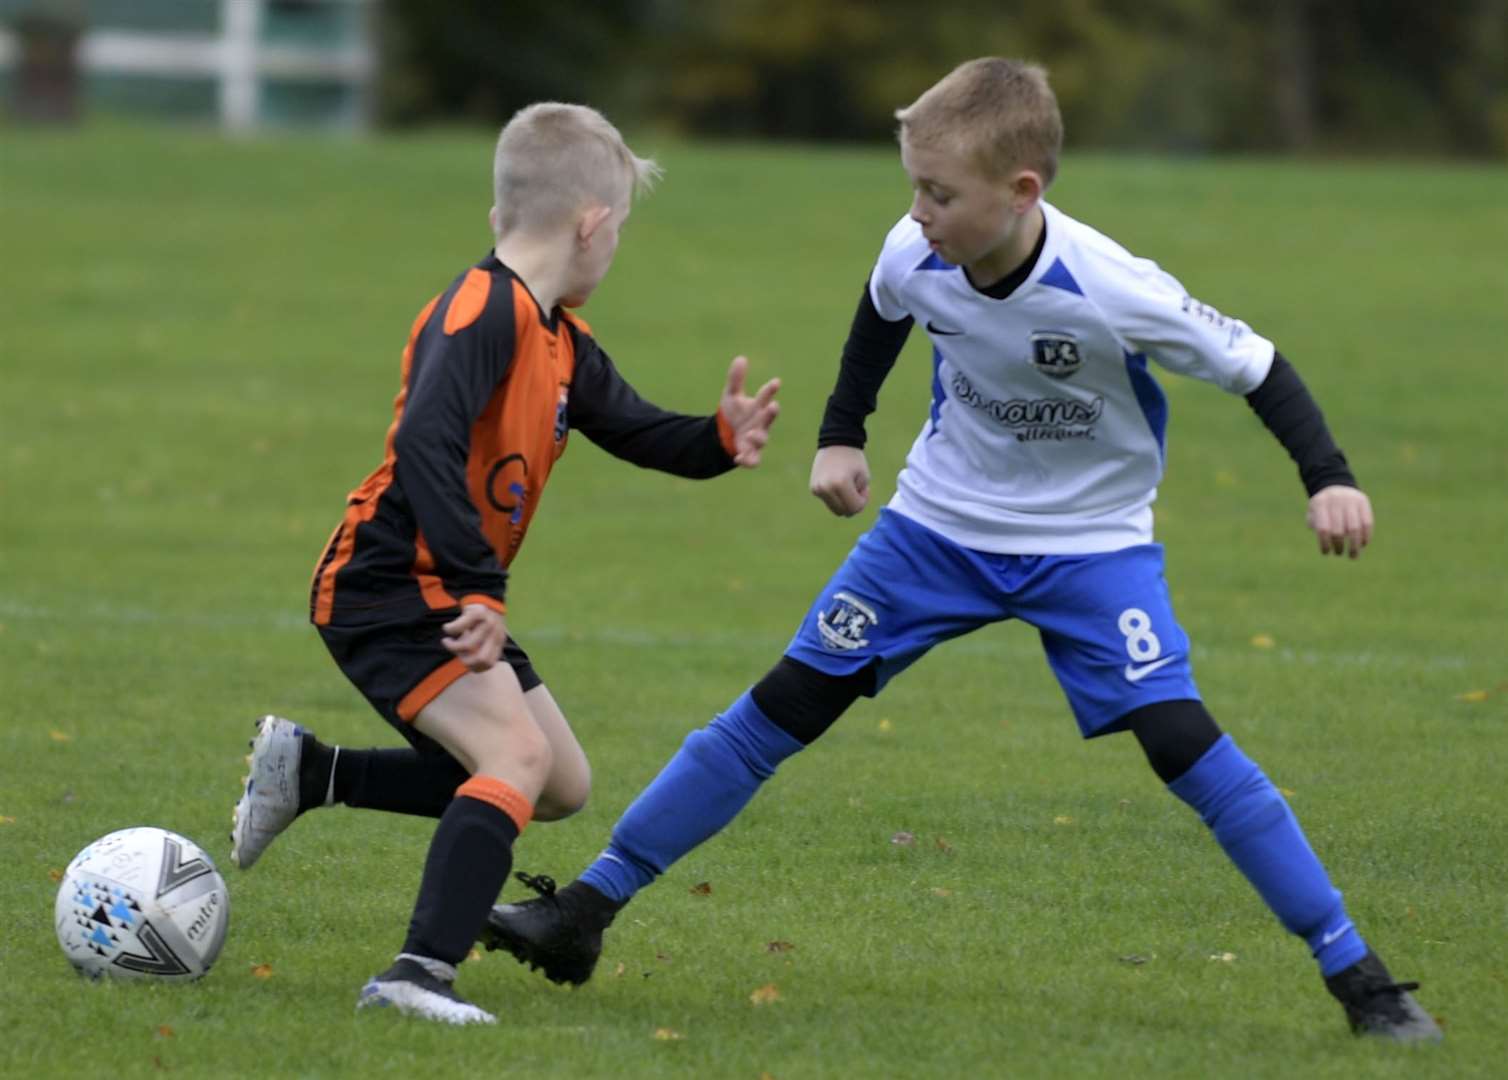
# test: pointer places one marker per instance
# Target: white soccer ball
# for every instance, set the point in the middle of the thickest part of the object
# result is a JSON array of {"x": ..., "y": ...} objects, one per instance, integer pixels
[{"x": 141, "y": 903}]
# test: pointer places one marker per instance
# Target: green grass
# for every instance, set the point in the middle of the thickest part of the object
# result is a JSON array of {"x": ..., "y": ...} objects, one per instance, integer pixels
[{"x": 198, "y": 351}]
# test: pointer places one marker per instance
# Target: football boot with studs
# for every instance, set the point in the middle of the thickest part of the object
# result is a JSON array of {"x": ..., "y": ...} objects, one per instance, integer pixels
[
  {"x": 557, "y": 932},
  {"x": 1376, "y": 1005}
]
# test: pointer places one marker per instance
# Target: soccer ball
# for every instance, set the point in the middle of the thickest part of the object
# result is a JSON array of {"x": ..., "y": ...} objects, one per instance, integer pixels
[{"x": 142, "y": 902}]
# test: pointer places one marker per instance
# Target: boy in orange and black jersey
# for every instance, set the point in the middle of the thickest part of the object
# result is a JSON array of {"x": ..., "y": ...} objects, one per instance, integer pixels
[{"x": 409, "y": 592}]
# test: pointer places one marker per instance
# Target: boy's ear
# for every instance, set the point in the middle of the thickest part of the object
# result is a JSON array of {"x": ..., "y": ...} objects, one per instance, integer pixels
[
  {"x": 1026, "y": 189},
  {"x": 492, "y": 220},
  {"x": 590, "y": 221}
]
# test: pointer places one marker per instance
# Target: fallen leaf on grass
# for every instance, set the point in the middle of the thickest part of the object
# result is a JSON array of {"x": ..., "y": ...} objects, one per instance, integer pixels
[
  {"x": 1263, "y": 641},
  {"x": 1287, "y": 793},
  {"x": 1062, "y": 819},
  {"x": 662, "y": 957},
  {"x": 474, "y": 954},
  {"x": 158, "y": 1062},
  {"x": 619, "y": 970},
  {"x": 1223, "y": 957},
  {"x": 702, "y": 888},
  {"x": 943, "y": 846},
  {"x": 765, "y": 994},
  {"x": 1474, "y": 696},
  {"x": 262, "y": 971},
  {"x": 668, "y": 1035},
  {"x": 942, "y": 892},
  {"x": 54, "y": 876},
  {"x": 1132, "y": 959},
  {"x": 886, "y": 725},
  {"x": 778, "y": 946},
  {"x": 59, "y": 736},
  {"x": 7, "y": 820},
  {"x": 903, "y": 839},
  {"x": 165, "y": 1032}
]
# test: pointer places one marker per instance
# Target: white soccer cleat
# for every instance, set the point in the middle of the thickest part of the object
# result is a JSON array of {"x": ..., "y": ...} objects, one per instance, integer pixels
[
  {"x": 409, "y": 987},
  {"x": 270, "y": 802}
]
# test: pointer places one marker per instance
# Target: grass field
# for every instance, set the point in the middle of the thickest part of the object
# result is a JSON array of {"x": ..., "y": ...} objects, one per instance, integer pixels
[{"x": 199, "y": 346}]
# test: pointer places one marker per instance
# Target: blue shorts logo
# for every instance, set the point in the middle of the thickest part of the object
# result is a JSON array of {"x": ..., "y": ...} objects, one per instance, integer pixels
[{"x": 844, "y": 621}]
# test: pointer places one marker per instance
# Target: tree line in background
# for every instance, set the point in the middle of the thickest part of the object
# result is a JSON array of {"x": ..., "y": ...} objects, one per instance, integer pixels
[{"x": 1387, "y": 76}]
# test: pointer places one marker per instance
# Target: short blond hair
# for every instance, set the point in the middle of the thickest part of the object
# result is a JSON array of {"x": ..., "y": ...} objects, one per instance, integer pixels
[
  {"x": 552, "y": 159},
  {"x": 1002, "y": 113}
]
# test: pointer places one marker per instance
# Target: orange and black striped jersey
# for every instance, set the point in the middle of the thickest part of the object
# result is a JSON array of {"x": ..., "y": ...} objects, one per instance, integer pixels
[{"x": 491, "y": 388}]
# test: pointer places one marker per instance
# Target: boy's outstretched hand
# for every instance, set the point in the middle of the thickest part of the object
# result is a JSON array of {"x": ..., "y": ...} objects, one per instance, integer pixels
[
  {"x": 840, "y": 478},
  {"x": 1342, "y": 519},
  {"x": 748, "y": 419}
]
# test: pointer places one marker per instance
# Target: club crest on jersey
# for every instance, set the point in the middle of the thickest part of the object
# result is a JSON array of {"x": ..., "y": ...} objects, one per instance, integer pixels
[
  {"x": 1055, "y": 355},
  {"x": 843, "y": 622}
]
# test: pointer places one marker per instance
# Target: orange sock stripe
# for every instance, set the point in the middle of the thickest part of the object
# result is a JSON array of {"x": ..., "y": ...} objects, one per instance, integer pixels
[{"x": 506, "y": 797}]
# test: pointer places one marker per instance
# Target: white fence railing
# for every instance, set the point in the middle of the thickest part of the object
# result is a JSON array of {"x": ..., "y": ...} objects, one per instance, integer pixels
[{"x": 236, "y": 59}]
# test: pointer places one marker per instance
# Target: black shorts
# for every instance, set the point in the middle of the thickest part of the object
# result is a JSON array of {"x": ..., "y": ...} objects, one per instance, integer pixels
[{"x": 400, "y": 667}]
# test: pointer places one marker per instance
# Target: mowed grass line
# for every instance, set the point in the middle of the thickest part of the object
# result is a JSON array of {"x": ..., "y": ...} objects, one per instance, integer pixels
[{"x": 199, "y": 352}]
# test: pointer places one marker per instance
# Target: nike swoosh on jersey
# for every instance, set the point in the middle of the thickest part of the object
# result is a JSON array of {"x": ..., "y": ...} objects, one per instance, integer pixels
[
  {"x": 932, "y": 328},
  {"x": 1137, "y": 674}
]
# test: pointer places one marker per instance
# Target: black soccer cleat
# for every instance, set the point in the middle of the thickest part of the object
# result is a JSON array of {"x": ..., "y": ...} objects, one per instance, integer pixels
[
  {"x": 559, "y": 933},
  {"x": 1376, "y": 1005}
]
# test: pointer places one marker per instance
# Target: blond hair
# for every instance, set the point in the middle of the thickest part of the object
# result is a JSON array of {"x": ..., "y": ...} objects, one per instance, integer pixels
[
  {"x": 1001, "y": 113},
  {"x": 552, "y": 159}
]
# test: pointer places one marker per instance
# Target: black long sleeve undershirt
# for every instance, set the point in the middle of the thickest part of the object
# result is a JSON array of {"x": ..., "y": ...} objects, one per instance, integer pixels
[
  {"x": 1283, "y": 403},
  {"x": 868, "y": 355}
]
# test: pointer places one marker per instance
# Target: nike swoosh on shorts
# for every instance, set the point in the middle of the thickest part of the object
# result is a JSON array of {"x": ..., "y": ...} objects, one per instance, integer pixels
[{"x": 1134, "y": 673}]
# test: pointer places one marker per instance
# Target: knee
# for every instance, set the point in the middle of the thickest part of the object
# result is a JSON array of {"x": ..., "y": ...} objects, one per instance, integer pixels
[
  {"x": 566, "y": 793},
  {"x": 1173, "y": 735},
  {"x": 518, "y": 752},
  {"x": 803, "y": 701},
  {"x": 532, "y": 752}
]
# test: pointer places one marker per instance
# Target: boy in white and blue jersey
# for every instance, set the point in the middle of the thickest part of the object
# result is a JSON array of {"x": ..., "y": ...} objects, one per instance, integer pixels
[{"x": 1027, "y": 494}]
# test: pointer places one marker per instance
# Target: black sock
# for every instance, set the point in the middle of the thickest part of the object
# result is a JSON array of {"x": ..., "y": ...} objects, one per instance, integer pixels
[
  {"x": 399, "y": 781},
  {"x": 468, "y": 861},
  {"x": 314, "y": 764},
  {"x": 402, "y": 781}
]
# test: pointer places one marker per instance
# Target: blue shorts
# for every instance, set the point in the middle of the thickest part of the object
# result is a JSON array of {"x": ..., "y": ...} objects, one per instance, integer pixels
[{"x": 1106, "y": 620}]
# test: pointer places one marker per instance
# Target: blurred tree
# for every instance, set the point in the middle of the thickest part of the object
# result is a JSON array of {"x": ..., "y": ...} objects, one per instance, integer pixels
[
  {"x": 1221, "y": 75},
  {"x": 481, "y": 60}
]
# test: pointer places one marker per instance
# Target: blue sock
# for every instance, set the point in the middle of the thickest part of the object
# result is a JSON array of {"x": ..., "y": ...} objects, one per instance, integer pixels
[
  {"x": 1252, "y": 822},
  {"x": 702, "y": 788}
]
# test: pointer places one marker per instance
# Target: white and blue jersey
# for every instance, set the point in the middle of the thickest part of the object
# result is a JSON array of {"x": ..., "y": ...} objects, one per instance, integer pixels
[
  {"x": 1028, "y": 493},
  {"x": 1045, "y": 434}
]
